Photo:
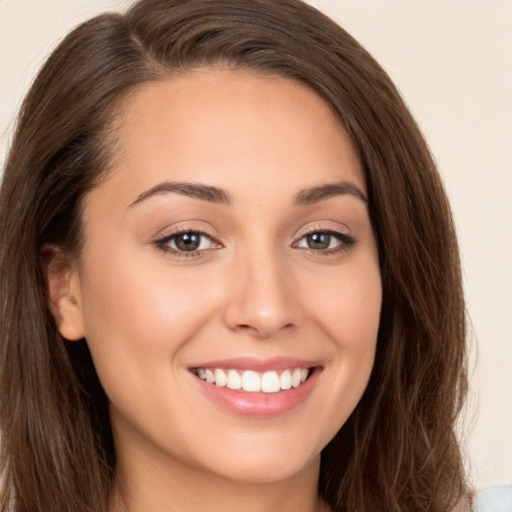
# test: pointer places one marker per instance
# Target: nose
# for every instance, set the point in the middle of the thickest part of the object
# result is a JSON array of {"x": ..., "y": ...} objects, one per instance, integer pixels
[{"x": 262, "y": 298}]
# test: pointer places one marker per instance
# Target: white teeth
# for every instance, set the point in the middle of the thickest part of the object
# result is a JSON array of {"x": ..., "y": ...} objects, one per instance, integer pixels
[
  {"x": 234, "y": 380},
  {"x": 251, "y": 381},
  {"x": 286, "y": 379},
  {"x": 209, "y": 376},
  {"x": 220, "y": 378},
  {"x": 296, "y": 377},
  {"x": 270, "y": 382}
]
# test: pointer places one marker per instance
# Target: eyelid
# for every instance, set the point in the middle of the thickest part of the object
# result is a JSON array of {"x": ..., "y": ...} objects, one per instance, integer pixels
[
  {"x": 186, "y": 226},
  {"x": 328, "y": 227}
]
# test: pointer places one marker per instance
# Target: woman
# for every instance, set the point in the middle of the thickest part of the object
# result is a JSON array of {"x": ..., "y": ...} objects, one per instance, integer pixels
[{"x": 236, "y": 276}]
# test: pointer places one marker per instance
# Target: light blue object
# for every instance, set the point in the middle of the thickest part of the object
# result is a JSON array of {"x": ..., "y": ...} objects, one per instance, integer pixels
[{"x": 494, "y": 499}]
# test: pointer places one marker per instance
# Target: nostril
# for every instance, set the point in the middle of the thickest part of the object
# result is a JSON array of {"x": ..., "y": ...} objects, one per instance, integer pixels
[{"x": 264, "y": 330}]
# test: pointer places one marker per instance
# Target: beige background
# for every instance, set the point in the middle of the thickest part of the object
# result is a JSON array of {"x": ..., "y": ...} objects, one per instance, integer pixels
[{"x": 452, "y": 60}]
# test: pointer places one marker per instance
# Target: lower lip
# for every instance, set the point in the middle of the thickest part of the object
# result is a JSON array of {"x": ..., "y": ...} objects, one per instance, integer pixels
[{"x": 262, "y": 405}]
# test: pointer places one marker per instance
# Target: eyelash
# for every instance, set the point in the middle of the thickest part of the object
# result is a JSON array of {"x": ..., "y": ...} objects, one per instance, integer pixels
[
  {"x": 345, "y": 242},
  {"x": 162, "y": 243}
]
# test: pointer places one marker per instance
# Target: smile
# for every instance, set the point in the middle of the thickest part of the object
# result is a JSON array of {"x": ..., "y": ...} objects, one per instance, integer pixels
[
  {"x": 252, "y": 381},
  {"x": 257, "y": 388}
]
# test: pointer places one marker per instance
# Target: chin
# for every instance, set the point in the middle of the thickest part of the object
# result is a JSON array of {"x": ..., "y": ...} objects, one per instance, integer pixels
[{"x": 264, "y": 459}]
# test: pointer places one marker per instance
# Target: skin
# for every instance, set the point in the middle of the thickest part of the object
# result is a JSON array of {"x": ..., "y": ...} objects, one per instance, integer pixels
[{"x": 255, "y": 288}]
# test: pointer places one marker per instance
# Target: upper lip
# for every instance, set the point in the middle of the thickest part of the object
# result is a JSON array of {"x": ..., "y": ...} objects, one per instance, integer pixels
[{"x": 258, "y": 364}]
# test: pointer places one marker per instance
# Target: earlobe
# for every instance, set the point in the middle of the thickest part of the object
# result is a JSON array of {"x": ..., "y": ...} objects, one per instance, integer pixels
[{"x": 63, "y": 291}]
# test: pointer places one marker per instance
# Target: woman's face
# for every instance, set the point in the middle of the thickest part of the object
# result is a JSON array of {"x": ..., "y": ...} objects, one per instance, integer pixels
[{"x": 230, "y": 246}]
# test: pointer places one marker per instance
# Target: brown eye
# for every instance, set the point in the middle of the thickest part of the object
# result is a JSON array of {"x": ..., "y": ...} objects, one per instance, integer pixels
[
  {"x": 318, "y": 240},
  {"x": 188, "y": 241},
  {"x": 325, "y": 241}
]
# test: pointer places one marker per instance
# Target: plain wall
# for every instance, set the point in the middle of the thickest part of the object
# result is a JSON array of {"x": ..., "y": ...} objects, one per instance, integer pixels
[{"x": 452, "y": 61}]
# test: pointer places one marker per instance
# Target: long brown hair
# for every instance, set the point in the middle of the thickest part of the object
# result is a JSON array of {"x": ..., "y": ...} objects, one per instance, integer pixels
[{"x": 398, "y": 450}]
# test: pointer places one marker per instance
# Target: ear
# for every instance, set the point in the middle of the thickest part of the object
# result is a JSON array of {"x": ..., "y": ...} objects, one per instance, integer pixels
[{"x": 63, "y": 291}]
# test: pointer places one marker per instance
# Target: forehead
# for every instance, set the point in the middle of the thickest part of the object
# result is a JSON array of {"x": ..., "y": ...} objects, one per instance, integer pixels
[{"x": 235, "y": 128}]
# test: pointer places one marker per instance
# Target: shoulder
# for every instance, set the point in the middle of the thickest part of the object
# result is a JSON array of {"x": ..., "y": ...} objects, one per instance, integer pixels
[{"x": 494, "y": 499}]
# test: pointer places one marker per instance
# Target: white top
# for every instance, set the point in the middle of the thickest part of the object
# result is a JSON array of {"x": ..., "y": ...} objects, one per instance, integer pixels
[{"x": 494, "y": 499}]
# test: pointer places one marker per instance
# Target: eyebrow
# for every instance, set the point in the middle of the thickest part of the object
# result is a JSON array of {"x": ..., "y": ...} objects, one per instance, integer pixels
[
  {"x": 217, "y": 195},
  {"x": 194, "y": 190},
  {"x": 316, "y": 194}
]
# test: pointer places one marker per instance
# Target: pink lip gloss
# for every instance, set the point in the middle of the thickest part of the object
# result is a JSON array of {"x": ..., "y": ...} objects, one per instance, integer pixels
[{"x": 257, "y": 403}]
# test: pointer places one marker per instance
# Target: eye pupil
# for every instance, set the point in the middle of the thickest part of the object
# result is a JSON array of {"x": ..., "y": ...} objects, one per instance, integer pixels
[
  {"x": 188, "y": 241},
  {"x": 318, "y": 240}
]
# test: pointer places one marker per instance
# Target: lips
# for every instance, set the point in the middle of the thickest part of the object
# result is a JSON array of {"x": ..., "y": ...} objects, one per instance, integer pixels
[{"x": 255, "y": 387}]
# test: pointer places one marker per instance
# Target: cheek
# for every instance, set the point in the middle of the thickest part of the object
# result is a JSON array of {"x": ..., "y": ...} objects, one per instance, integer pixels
[
  {"x": 348, "y": 306},
  {"x": 138, "y": 314},
  {"x": 348, "y": 309},
  {"x": 143, "y": 294}
]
